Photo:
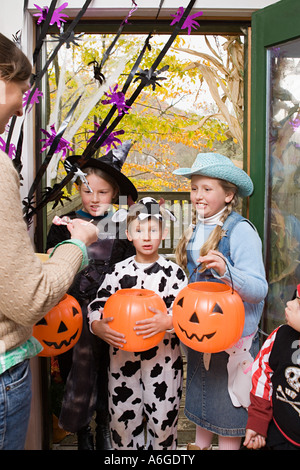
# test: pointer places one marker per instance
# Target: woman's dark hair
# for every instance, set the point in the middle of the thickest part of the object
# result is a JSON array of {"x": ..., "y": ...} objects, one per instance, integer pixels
[{"x": 14, "y": 65}]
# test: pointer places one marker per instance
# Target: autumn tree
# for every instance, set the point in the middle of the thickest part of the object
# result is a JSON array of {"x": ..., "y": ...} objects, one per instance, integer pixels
[
  {"x": 162, "y": 123},
  {"x": 168, "y": 123}
]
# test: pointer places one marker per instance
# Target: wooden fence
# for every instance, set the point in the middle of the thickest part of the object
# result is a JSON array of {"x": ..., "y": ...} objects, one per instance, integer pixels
[{"x": 177, "y": 202}]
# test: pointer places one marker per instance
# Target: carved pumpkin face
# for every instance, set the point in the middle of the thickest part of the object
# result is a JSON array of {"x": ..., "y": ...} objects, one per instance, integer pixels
[
  {"x": 208, "y": 316},
  {"x": 60, "y": 329},
  {"x": 127, "y": 306}
]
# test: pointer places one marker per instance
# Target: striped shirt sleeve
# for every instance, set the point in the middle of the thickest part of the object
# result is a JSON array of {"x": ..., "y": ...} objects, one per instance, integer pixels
[
  {"x": 261, "y": 370},
  {"x": 260, "y": 411}
]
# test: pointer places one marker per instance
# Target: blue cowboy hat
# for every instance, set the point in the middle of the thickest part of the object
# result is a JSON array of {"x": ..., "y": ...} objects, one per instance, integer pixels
[{"x": 215, "y": 165}]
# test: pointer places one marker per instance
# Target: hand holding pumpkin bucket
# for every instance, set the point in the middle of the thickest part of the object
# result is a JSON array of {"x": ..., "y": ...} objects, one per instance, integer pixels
[
  {"x": 208, "y": 316},
  {"x": 60, "y": 329},
  {"x": 127, "y": 306}
]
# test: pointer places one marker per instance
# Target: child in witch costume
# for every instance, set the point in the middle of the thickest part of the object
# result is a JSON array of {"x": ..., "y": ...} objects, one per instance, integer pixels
[
  {"x": 149, "y": 383},
  {"x": 85, "y": 376},
  {"x": 273, "y": 416}
]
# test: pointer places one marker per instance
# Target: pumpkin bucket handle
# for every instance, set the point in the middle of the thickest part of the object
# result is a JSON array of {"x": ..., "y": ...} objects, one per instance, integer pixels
[{"x": 227, "y": 265}]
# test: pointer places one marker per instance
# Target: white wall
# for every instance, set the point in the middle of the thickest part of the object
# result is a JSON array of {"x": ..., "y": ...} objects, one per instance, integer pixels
[{"x": 209, "y": 7}]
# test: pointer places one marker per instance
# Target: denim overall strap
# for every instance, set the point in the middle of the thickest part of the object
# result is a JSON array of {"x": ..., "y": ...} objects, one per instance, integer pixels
[{"x": 224, "y": 244}]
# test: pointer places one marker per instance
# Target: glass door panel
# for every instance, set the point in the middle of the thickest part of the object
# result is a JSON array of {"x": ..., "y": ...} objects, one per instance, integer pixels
[{"x": 282, "y": 229}]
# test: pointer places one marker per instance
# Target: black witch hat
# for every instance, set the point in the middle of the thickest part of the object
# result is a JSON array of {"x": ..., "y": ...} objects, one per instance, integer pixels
[{"x": 112, "y": 164}]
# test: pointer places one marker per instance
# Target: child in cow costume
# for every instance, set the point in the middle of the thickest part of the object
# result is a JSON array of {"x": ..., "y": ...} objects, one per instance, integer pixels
[
  {"x": 143, "y": 384},
  {"x": 274, "y": 413}
]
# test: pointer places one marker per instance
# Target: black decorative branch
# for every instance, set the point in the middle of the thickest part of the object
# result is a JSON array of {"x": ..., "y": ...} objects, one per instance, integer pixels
[{"x": 146, "y": 78}]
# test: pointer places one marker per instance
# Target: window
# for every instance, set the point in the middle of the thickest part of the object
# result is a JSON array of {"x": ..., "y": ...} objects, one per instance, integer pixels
[
  {"x": 274, "y": 207},
  {"x": 283, "y": 185},
  {"x": 195, "y": 104}
]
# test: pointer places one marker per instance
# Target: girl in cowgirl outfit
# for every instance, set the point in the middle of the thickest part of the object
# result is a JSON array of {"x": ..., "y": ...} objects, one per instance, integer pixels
[{"x": 221, "y": 238}]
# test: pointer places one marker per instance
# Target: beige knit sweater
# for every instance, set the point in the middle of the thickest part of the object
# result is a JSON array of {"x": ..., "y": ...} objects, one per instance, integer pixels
[{"x": 28, "y": 287}]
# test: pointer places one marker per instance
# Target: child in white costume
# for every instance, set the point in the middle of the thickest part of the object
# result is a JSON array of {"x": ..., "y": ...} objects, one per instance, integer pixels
[{"x": 145, "y": 383}]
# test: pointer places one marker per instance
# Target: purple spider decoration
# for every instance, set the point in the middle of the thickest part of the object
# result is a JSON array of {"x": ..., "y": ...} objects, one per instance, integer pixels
[
  {"x": 118, "y": 99},
  {"x": 63, "y": 145},
  {"x": 33, "y": 100},
  {"x": 134, "y": 8},
  {"x": 111, "y": 140},
  {"x": 295, "y": 124},
  {"x": 189, "y": 22},
  {"x": 57, "y": 16},
  {"x": 11, "y": 150}
]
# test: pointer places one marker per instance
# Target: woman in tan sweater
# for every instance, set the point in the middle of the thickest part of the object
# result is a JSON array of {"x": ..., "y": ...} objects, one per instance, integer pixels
[{"x": 28, "y": 288}]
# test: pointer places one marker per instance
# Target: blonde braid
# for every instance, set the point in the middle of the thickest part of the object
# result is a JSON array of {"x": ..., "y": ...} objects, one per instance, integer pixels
[{"x": 181, "y": 252}]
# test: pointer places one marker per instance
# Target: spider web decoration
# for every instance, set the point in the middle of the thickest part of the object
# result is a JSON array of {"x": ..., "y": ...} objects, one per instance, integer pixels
[
  {"x": 63, "y": 38},
  {"x": 148, "y": 79},
  {"x": 105, "y": 131},
  {"x": 35, "y": 79},
  {"x": 17, "y": 160},
  {"x": 28, "y": 205}
]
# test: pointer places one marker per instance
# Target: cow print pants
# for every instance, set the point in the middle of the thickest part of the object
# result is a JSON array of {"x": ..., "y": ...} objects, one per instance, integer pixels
[{"x": 144, "y": 395}]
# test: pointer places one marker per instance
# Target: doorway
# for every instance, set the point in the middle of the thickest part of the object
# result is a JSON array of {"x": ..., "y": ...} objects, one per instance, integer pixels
[{"x": 275, "y": 151}]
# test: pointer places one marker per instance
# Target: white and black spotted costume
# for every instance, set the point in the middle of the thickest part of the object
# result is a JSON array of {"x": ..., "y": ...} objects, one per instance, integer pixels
[{"x": 147, "y": 383}]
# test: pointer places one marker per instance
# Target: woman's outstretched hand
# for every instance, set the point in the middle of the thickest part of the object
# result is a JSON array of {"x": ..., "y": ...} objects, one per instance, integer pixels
[{"x": 83, "y": 231}]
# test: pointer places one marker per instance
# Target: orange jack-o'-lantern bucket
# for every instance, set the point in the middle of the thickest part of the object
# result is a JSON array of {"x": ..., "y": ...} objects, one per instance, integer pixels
[
  {"x": 127, "y": 306},
  {"x": 59, "y": 330},
  {"x": 208, "y": 316}
]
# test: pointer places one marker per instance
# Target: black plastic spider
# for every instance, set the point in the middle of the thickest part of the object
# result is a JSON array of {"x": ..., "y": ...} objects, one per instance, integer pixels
[
  {"x": 97, "y": 71},
  {"x": 56, "y": 198},
  {"x": 67, "y": 38},
  {"x": 143, "y": 75},
  {"x": 17, "y": 37},
  {"x": 28, "y": 204}
]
